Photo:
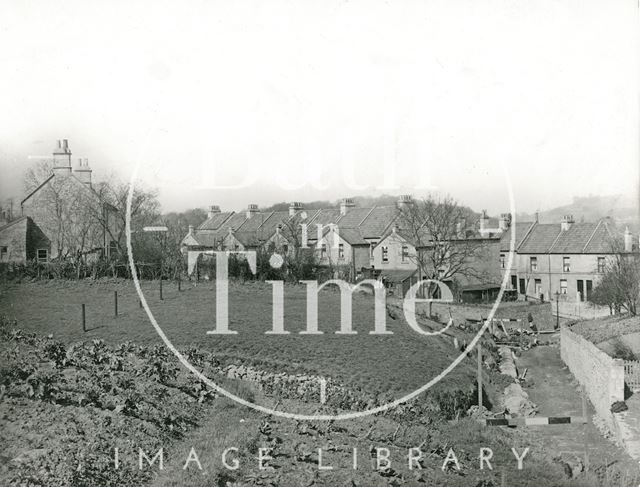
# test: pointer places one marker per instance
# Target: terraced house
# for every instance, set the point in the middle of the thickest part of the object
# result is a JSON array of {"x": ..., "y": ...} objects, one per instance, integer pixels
[
  {"x": 560, "y": 260},
  {"x": 342, "y": 237}
]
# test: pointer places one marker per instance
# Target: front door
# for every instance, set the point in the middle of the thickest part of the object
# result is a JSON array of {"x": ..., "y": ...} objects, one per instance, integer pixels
[
  {"x": 538, "y": 283},
  {"x": 523, "y": 288},
  {"x": 514, "y": 282},
  {"x": 580, "y": 283}
]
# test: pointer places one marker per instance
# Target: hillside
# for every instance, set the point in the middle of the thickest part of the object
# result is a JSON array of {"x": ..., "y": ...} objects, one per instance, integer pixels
[{"x": 621, "y": 208}]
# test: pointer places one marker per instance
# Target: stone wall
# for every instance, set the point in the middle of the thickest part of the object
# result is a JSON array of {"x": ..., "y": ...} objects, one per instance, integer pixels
[{"x": 601, "y": 375}]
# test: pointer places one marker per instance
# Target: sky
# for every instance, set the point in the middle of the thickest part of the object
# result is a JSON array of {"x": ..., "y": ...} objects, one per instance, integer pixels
[{"x": 240, "y": 102}]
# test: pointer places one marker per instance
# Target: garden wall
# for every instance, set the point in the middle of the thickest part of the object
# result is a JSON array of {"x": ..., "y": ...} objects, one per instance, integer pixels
[{"x": 601, "y": 375}]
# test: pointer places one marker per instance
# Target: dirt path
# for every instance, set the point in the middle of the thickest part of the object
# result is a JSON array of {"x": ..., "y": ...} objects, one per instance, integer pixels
[{"x": 556, "y": 393}]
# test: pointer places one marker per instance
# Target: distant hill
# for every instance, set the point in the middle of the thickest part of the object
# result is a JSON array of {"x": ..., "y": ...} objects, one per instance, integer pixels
[
  {"x": 621, "y": 208},
  {"x": 361, "y": 201}
]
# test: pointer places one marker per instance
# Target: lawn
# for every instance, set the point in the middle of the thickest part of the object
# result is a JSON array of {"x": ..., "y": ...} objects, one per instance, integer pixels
[{"x": 375, "y": 364}]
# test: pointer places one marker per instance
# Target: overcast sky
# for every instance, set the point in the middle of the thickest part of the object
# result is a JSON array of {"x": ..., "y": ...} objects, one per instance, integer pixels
[{"x": 302, "y": 100}]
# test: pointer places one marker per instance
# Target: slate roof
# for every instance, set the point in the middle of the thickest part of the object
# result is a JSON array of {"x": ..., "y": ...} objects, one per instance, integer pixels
[
  {"x": 353, "y": 218},
  {"x": 521, "y": 232},
  {"x": 326, "y": 216},
  {"x": 580, "y": 238},
  {"x": 352, "y": 236},
  {"x": 379, "y": 219},
  {"x": 215, "y": 221}
]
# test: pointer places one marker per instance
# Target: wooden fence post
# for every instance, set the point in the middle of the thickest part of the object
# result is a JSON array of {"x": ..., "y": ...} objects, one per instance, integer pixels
[
  {"x": 161, "y": 298},
  {"x": 480, "y": 377},
  {"x": 584, "y": 430},
  {"x": 115, "y": 303},
  {"x": 84, "y": 321}
]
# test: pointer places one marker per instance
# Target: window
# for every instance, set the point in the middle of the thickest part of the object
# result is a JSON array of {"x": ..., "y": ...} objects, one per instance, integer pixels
[
  {"x": 4, "y": 251},
  {"x": 113, "y": 248},
  {"x": 323, "y": 251},
  {"x": 385, "y": 253},
  {"x": 601, "y": 264},
  {"x": 371, "y": 246},
  {"x": 533, "y": 263},
  {"x": 285, "y": 248},
  {"x": 405, "y": 253},
  {"x": 503, "y": 261},
  {"x": 563, "y": 286},
  {"x": 43, "y": 255},
  {"x": 340, "y": 251},
  {"x": 440, "y": 273},
  {"x": 566, "y": 264}
]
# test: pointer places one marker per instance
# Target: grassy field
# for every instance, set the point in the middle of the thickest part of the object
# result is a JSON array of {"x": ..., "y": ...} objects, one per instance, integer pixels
[
  {"x": 392, "y": 364},
  {"x": 64, "y": 406}
]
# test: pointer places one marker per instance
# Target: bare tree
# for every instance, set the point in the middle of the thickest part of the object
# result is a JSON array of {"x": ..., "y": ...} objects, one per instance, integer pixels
[
  {"x": 619, "y": 287},
  {"x": 446, "y": 247}
]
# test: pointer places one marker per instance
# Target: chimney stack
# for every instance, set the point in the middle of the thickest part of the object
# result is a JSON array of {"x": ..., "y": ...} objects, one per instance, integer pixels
[
  {"x": 628, "y": 240},
  {"x": 213, "y": 209},
  {"x": 62, "y": 159},
  {"x": 252, "y": 209},
  {"x": 484, "y": 221},
  {"x": 346, "y": 204},
  {"x": 83, "y": 171},
  {"x": 191, "y": 229},
  {"x": 405, "y": 200},
  {"x": 505, "y": 221},
  {"x": 294, "y": 208},
  {"x": 567, "y": 221}
]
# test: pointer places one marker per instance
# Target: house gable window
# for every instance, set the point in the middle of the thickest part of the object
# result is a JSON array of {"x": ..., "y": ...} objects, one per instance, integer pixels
[
  {"x": 4, "y": 251},
  {"x": 601, "y": 264},
  {"x": 405, "y": 253},
  {"x": 503, "y": 261},
  {"x": 285, "y": 248},
  {"x": 385, "y": 253},
  {"x": 533, "y": 263},
  {"x": 43, "y": 255},
  {"x": 340, "y": 251},
  {"x": 371, "y": 247},
  {"x": 566, "y": 264},
  {"x": 563, "y": 286},
  {"x": 323, "y": 251}
]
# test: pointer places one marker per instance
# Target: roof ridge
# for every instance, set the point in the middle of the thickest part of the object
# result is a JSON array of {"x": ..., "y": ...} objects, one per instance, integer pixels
[{"x": 591, "y": 236}]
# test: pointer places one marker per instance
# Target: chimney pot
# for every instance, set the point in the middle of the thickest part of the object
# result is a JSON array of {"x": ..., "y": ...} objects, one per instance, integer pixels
[
  {"x": 345, "y": 205},
  {"x": 213, "y": 209},
  {"x": 251, "y": 210},
  {"x": 294, "y": 207},
  {"x": 567, "y": 221},
  {"x": 484, "y": 220}
]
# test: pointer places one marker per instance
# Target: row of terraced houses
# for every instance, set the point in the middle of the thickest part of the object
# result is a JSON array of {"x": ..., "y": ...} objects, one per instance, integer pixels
[{"x": 562, "y": 260}]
